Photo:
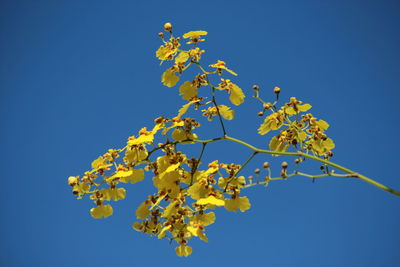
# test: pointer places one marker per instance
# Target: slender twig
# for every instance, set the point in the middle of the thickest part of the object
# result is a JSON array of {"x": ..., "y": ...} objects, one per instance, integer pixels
[
  {"x": 240, "y": 169},
  {"x": 305, "y": 155},
  {"x": 213, "y": 97},
  {"x": 197, "y": 163}
]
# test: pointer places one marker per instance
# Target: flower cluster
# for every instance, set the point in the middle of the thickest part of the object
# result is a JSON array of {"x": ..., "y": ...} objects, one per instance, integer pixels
[{"x": 188, "y": 193}]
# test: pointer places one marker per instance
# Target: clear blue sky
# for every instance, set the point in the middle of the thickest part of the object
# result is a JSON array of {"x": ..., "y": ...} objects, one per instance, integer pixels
[{"x": 79, "y": 77}]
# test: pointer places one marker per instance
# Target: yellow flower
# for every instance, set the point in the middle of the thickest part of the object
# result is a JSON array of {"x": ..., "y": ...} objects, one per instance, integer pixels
[
  {"x": 73, "y": 180},
  {"x": 170, "y": 210},
  {"x": 183, "y": 251},
  {"x": 163, "y": 231},
  {"x": 188, "y": 90},
  {"x": 166, "y": 52},
  {"x": 100, "y": 165},
  {"x": 144, "y": 137},
  {"x": 181, "y": 135},
  {"x": 195, "y": 36},
  {"x": 211, "y": 200},
  {"x": 143, "y": 211},
  {"x": 196, "y": 53},
  {"x": 101, "y": 211},
  {"x": 323, "y": 125},
  {"x": 237, "y": 182},
  {"x": 185, "y": 108},
  {"x": 198, "y": 190},
  {"x": 237, "y": 96},
  {"x": 113, "y": 193},
  {"x": 169, "y": 78},
  {"x": 135, "y": 154},
  {"x": 234, "y": 204},
  {"x": 321, "y": 146},
  {"x": 225, "y": 112},
  {"x": 294, "y": 106},
  {"x": 133, "y": 176},
  {"x": 80, "y": 189},
  {"x": 168, "y": 182},
  {"x": 221, "y": 65},
  {"x": 182, "y": 57},
  {"x": 204, "y": 219},
  {"x": 197, "y": 231},
  {"x": 277, "y": 145},
  {"x": 272, "y": 122}
]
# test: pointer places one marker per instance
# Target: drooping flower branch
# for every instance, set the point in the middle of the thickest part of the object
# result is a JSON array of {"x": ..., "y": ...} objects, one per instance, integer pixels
[{"x": 187, "y": 191}]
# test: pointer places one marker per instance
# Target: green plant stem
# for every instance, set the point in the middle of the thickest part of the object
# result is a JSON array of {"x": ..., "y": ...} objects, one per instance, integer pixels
[
  {"x": 213, "y": 97},
  {"x": 203, "y": 146},
  {"x": 241, "y": 168},
  {"x": 349, "y": 172},
  {"x": 300, "y": 174}
]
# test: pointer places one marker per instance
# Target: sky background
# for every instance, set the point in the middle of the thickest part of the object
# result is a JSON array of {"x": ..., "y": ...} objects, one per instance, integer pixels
[{"x": 79, "y": 77}]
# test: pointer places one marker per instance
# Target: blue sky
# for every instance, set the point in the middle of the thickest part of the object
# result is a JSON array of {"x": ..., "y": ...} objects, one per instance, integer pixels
[{"x": 79, "y": 77}]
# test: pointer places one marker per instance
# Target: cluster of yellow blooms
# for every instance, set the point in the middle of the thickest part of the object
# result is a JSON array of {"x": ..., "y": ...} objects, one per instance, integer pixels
[
  {"x": 186, "y": 195},
  {"x": 306, "y": 133}
]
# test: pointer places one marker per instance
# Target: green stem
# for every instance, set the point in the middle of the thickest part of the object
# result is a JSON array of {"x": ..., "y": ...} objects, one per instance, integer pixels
[
  {"x": 241, "y": 168},
  {"x": 213, "y": 97},
  {"x": 203, "y": 146},
  {"x": 301, "y": 154}
]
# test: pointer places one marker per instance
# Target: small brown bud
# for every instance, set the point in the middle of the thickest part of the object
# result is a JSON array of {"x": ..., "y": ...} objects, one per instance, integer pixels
[
  {"x": 260, "y": 114},
  {"x": 256, "y": 87},
  {"x": 330, "y": 154},
  {"x": 285, "y": 165},
  {"x": 297, "y": 161},
  {"x": 267, "y": 105},
  {"x": 257, "y": 171},
  {"x": 266, "y": 165},
  {"x": 322, "y": 167},
  {"x": 161, "y": 34},
  {"x": 168, "y": 27},
  {"x": 159, "y": 120},
  {"x": 277, "y": 90}
]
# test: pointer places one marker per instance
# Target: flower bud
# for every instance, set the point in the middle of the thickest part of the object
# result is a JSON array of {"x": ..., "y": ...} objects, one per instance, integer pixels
[
  {"x": 260, "y": 114},
  {"x": 161, "y": 34},
  {"x": 168, "y": 27},
  {"x": 266, "y": 165},
  {"x": 72, "y": 180},
  {"x": 256, "y": 87},
  {"x": 277, "y": 90},
  {"x": 267, "y": 105},
  {"x": 284, "y": 165},
  {"x": 257, "y": 171},
  {"x": 159, "y": 120}
]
